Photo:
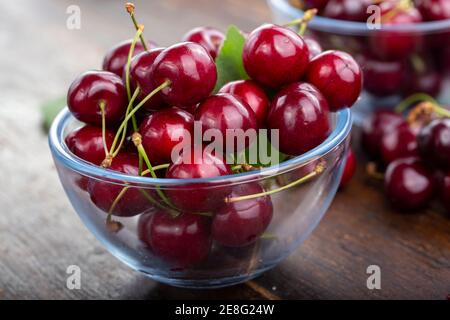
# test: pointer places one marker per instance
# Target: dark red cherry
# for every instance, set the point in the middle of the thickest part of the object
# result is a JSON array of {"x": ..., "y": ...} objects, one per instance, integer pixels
[
  {"x": 310, "y": 4},
  {"x": 241, "y": 223},
  {"x": 90, "y": 90},
  {"x": 163, "y": 130},
  {"x": 209, "y": 38},
  {"x": 250, "y": 93},
  {"x": 401, "y": 142},
  {"x": 374, "y": 127},
  {"x": 300, "y": 114},
  {"x": 183, "y": 241},
  {"x": 103, "y": 193},
  {"x": 199, "y": 197},
  {"x": 396, "y": 45},
  {"x": 228, "y": 114},
  {"x": 116, "y": 58},
  {"x": 350, "y": 10},
  {"x": 434, "y": 142},
  {"x": 87, "y": 143},
  {"x": 190, "y": 70},
  {"x": 269, "y": 46},
  {"x": 314, "y": 47},
  {"x": 433, "y": 10},
  {"x": 409, "y": 185},
  {"x": 349, "y": 169},
  {"x": 423, "y": 76},
  {"x": 445, "y": 191},
  {"x": 337, "y": 75},
  {"x": 140, "y": 76}
]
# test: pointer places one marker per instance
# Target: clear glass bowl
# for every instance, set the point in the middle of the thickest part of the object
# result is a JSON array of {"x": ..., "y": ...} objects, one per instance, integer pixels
[
  {"x": 388, "y": 78},
  {"x": 296, "y": 211}
]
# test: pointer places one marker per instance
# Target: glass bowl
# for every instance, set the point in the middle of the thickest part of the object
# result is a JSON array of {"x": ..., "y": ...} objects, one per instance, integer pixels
[
  {"x": 397, "y": 61},
  {"x": 296, "y": 210}
]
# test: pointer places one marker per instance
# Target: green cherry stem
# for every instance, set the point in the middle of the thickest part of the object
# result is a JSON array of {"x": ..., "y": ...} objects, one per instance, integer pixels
[
  {"x": 415, "y": 98},
  {"x": 130, "y": 56},
  {"x": 102, "y": 109},
  {"x": 130, "y": 9},
  {"x": 156, "y": 168},
  {"x": 303, "y": 21}
]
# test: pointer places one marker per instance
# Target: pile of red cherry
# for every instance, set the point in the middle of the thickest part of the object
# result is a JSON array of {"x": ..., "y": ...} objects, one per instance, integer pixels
[
  {"x": 137, "y": 108},
  {"x": 395, "y": 62},
  {"x": 415, "y": 152}
]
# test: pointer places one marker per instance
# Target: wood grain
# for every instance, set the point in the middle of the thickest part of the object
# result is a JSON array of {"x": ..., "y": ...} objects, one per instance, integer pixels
[{"x": 40, "y": 235}]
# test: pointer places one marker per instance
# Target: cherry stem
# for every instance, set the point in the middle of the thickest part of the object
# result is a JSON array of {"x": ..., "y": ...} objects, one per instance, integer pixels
[
  {"x": 117, "y": 199},
  {"x": 130, "y": 9},
  {"x": 156, "y": 168},
  {"x": 418, "y": 64},
  {"x": 401, "y": 6},
  {"x": 130, "y": 56},
  {"x": 113, "y": 226},
  {"x": 303, "y": 21},
  {"x": 268, "y": 236},
  {"x": 173, "y": 212},
  {"x": 415, "y": 98},
  {"x": 320, "y": 167},
  {"x": 372, "y": 171},
  {"x": 102, "y": 109}
]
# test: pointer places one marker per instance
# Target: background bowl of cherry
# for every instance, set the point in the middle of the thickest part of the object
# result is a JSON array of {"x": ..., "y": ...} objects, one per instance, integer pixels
[
  {"x": 409, "y": 54},
  {"x": 195, "y": 250}
]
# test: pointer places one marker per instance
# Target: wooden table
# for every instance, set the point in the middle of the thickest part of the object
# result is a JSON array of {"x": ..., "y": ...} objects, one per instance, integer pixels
[{"x": 40, "y": 234}]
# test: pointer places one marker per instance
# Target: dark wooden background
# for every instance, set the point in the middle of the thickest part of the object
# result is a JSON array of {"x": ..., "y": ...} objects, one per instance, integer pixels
[{"x": 40, "y": 234}]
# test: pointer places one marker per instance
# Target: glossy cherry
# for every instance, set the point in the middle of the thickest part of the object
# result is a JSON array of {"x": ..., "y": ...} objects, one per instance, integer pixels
[
  {"x": 103, "y": 193},
  {"x": 350, "y": 10},
  {"x": 191, "y": 71},
  {"x": 199, "y": 197},
  {"x": 140, "y": 77},
  {"x": 382, "y": 121},
  {"x": 409, "y": 185},
  {"x": 163, "y": 130},
  {"x": 249, "y": 92},
  {"x": 337, "y": 75},
  {"x": 93, "y": 88},
  {"x": 241, "y": 223},
  {"x": 423, "y": 77},
  {"x": 434, "y": 10},
  {"x": 87, "y": 143},
  {"x": 314, "y": 47},
  {"x": 269, "y": 46},
  {"x": 401, "y": 142},
  {"x": 182, "y": 241},
  {"x": 434, "y": 142},
  {"x": 310, "y": 4},
  {"x": 228, "y": 114},
  {"x": 300, "y": 114},
  {"x": 209, "y": 38},
  {"x": 116, "y": 57},
  {"x": 349, "y": 169}
]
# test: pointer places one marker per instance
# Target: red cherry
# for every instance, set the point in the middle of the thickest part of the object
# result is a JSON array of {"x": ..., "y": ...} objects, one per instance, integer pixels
[
  {"x": 200, "y": 163},
  {"x": 337, "y": 75},
  {"x": 90, "y": 90},
  {"x": 190, "y": 70},
  {"x": 227, "y": 113},
  {"x": 426, "y": 79},
  {"x": 312, "y": 4},
  {"x": 209, "y": 38},
  {"x": 241, "y": 223},
  {"x": 269, "y": 46},
  {"x": 349, "y": 169},
  {"x": 300, "y": 113},
  {"x": 104, "y": 193},
  {"x": 401, "y": 142},
  {"x": 183, "y": 241},
  {"x": 163, "y": 130},
  {"x": 350, "y": 10},
  {"x": 434, "y": 10},
  {"x": 250, "y": 93},
  {"x": 87, "y": 143},
  {"x": 140, "y": 76},
  {"x": 409, "y": 185},
  {"x": 382, "y": 121},
  {"x": 434, "y": 142},
  {"x": 116, "y": 58}
]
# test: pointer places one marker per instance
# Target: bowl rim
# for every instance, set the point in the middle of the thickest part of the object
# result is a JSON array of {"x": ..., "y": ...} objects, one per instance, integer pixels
[
  {"x": 63, "y": 155},
  {"x": 357, "y": 28}
]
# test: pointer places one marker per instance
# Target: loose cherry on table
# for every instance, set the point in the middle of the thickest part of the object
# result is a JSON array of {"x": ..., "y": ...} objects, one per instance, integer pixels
[
  {"x": 337, "y": 75},
  {"x": 269, "y": 46},
  {"x": 401, "y": 142},
  {"x": 409, "y": 185},
  {"x": 182, "y": 241},
  {"x": 87, "y": 143},
  {"x": 198, "y": 163},
  {"x": 105, "y": 194},
  {"x": 93, "y": 89},
  {"x": 241, "y": 223},
  {"x": 116, "y": 58},
  {"x": 249, "y": 92},
  {"x": 300, "y": 113},
  {"x": 190, "y": 70},
  {"x": 349, "y": 169},
  {"x": 434, "y": 142},
  {"x": 163, "y": 130},
  {"x": 209, "y": 38},
  {"x": 350, "y": 10},
  {"x": 140, "y": 76}
]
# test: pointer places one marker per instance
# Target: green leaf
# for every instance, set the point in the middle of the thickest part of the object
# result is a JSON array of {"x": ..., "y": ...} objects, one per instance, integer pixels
[
  {"x": 50, "y": 110},
  {"x": 230, "y": 65}
]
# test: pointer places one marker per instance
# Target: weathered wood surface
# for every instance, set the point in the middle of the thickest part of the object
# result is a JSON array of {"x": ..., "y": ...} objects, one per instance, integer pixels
[{"x": 40, "y": 234}]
